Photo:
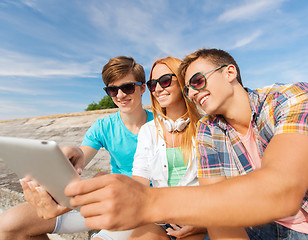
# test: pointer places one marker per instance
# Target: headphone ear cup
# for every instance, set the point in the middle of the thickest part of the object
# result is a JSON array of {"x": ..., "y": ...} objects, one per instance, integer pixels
[
  {"x": 180, "y": 124},
  {"x": 169, "y": 124}
]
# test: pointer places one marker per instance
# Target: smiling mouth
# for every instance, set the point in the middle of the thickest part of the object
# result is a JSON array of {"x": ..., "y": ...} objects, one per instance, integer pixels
[
  {"x": 204, "y": 99},
  {"x": 123, "y": 101},
  {"x": 161, "y": 96}
]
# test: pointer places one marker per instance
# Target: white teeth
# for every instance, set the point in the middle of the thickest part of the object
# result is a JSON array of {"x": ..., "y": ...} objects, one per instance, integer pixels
[
  {"x": 161, "y": 96},
  {"x": 123, "y": 102},
  {"x": 203, "y": 100}
]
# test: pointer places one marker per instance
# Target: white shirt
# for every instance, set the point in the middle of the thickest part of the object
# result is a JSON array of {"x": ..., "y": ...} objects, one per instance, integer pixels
[{"x": 150, "y": 159}]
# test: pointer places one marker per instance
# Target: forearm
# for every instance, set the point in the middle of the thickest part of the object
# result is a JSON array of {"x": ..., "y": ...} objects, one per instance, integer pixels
[
  {"x": 240, "y": 201},
  {"x": 88, "y": 153}
]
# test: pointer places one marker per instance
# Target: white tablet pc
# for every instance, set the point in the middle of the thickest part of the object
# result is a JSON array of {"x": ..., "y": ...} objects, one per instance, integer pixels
[{"x": 40, "y": 160}]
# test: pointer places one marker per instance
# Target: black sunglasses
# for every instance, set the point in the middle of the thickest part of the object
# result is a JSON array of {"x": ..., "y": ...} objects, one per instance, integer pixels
[
  {"x": 127, "y": 88},
  {"x": 164, "y": 81}
]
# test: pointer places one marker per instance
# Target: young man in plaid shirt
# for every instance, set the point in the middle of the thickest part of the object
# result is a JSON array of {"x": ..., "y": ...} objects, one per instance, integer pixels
[{"x": 246, "y": 130}]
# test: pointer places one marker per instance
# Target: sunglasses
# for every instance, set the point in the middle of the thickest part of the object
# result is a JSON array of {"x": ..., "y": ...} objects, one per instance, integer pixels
[
  {"x": 164, "y": 81},
  {"x": 198, "y": 81},
  {"x": 127, "y": 88}
]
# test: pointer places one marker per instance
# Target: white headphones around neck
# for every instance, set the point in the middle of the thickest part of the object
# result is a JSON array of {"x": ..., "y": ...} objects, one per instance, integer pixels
[{"x": 178, "y": 125}]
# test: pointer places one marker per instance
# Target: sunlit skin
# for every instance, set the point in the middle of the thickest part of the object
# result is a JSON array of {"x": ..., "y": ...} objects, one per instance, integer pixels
[
  {"x": 128, "y": 103},
  {"x": 222, "y": 94},
  {"x": 217, "y": 91},
  {"x": 171, "y": 97}
]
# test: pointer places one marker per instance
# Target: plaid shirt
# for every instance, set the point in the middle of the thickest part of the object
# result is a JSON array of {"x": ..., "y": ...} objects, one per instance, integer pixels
[{"x": 280, "y": 108}]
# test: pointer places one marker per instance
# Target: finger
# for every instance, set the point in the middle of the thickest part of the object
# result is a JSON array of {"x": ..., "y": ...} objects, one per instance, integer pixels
[
  {"x": 88, "y": 185},
  {"x": 105, "y": 222},
  {"x": 23, "y": 183},
  {"x": 43, "y": 194},
  {"x": 171, "y": 232},
  {"x": 88, "y": 198},
  {"x": 78, "y": 165},
  {"x": 99, "y": 222},
  {"x": 75, "y": 155},
  {"x": 33, "y": 183},
  {"x": 175, "y": 227},
  {"x": 179, "y": 232},
  {"x": 93, "y": 209}
]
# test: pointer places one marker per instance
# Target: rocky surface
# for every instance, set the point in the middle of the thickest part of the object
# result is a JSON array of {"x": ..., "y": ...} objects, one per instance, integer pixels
[{"x": 65, "y": 129}]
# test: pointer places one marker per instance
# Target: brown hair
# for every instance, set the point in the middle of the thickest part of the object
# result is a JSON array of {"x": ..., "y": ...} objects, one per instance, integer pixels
[
  {"x": 216, "y": 56},
  {"x": 189, "y": 132},
  {"x": 119, "y": 67}
]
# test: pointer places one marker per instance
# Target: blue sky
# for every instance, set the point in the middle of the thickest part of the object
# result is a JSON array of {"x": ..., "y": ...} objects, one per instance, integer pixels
[{"x": 52, "y": 51}]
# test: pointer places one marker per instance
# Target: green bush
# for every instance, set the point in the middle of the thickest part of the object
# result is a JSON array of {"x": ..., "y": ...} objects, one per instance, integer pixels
[{"x": 105, "y": 103}]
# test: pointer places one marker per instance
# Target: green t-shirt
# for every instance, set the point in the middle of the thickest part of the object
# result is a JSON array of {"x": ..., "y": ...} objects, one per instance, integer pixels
[{"x": 176, "y": 166}]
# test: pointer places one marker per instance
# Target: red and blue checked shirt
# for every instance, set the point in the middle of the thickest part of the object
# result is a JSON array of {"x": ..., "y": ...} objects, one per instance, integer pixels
[{"x": 280, "y": 108}]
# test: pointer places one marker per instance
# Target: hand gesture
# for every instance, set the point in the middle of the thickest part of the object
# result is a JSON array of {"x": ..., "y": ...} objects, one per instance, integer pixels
[
  {"x": 75, "y": 155},
  {"x": 184, "y": 231},
  {"x": 38, "y": 198}
]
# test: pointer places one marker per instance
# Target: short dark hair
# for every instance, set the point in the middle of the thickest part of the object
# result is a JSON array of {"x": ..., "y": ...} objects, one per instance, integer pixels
[
  {"x": 217, "y": 57},
  {"x": 119, "y": 67}
]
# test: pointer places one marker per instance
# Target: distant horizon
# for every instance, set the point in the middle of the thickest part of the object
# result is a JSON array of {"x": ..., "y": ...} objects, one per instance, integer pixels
[
  {"x": 52, "y": 52},
  {"x": 73, "y": 114}
]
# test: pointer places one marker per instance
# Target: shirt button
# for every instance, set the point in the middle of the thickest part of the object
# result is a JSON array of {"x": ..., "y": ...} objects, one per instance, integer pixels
[{"x": 165, "y": 165}]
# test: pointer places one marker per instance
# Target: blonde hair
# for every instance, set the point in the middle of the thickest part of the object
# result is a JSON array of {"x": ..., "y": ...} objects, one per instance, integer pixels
[{"x": 189, "y": 133}]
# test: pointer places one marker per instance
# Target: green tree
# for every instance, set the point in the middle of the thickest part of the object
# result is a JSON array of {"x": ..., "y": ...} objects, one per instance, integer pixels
[{"x": 105, "y": 103}]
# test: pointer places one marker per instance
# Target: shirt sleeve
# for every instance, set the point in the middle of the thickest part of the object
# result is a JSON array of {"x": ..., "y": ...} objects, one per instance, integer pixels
[
  {"x": 94, "y": 136},
  {"x": 144, "y": 152},
  {"x": 291, "y": 110},
  {"x": 209, "y": 162}
]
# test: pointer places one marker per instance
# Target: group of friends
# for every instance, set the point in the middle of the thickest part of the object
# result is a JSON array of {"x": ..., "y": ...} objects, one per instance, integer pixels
[{"x": 213, "y": 160}]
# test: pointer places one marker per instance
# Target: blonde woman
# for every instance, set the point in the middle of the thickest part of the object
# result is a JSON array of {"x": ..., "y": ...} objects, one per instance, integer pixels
[{"x": 166, "y": 155}]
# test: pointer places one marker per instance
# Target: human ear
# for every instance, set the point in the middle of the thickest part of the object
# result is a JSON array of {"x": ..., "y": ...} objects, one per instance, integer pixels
[
  {"x": 231, "y": 72},
  {"x": 142, "y": 89}
]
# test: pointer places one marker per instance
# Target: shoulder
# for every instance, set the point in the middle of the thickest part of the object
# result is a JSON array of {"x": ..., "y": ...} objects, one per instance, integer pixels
[
  {"x": 111, "y": 119},
  {"x": 149, "y": 115},
  {"x": 280, "y": 90},
  {"x": 148, "y": 127},
  {"x": 147, "y": 133},
  {"x": 207, "y": 121}
]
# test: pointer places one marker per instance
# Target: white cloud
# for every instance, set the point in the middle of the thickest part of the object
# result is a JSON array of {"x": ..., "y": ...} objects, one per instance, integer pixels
[
  {"x": 247, "y": 40},
  {"x": 161, "y": 31},
  {"x": 63, "y": 104},
  {"x": 16, "y": 90},
  {"x": 250, "y": 9},
  {"x": 17, "y": 64}
]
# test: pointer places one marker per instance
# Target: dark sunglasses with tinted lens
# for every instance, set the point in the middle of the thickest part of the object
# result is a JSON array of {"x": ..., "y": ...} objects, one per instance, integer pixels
[
  {"x": 164, "y": 81},
  {"x": 127, "y": 88},
  {"x": 198, "y": 81}
]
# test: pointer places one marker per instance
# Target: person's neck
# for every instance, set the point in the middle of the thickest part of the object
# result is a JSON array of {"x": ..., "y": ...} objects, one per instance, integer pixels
[
  {"x": 134, "y": 120},
  {"x": 176, "y": 112},
  {"x": 238, "y": 113}
]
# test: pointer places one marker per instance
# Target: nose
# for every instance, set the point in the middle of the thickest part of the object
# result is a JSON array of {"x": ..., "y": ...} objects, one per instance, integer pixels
[
  {"x": 192, "y": 93},
  {"x": 158, "y": 88},
  {"x": 121, "y": 94}
]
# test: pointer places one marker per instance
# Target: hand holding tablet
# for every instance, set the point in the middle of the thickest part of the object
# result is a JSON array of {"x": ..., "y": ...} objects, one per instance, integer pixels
[{"x": 42, "y": 161}]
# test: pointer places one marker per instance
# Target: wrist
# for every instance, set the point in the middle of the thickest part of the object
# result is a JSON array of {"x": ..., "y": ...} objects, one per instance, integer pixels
[
  {"x": 157, "y": 207},
  {"x": 151, "y": 207}
]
